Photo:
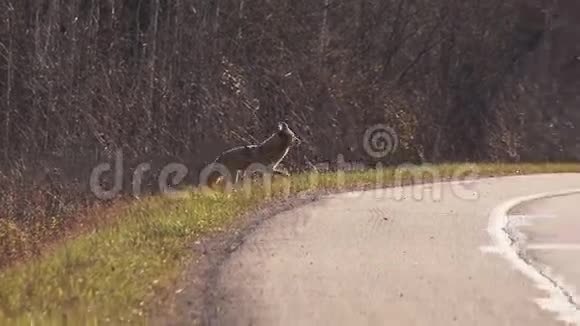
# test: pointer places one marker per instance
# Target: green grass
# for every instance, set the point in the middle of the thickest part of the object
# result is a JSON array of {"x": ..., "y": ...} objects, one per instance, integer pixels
[{"x": 112, "y": 274}]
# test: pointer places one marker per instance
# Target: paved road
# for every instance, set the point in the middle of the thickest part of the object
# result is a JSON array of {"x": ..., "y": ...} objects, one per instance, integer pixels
[{"x": 394, "y": 258}]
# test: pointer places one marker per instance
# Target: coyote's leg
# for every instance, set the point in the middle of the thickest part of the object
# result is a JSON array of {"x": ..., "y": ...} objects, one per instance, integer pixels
[
  {"x": 250, "y": 173},
  {"x": 235, "y": 177},
  {"x": 280, "y": 172},
  {"x": 216, "y": 177}
]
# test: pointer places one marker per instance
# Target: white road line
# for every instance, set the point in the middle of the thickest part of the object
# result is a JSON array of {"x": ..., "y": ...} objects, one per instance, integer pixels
[
  {"x": 560, "y": 301},
  {"x": 526, "y": 220},
  {"x": 533, "y": 217},
  {"x": 553, "y": 246}
]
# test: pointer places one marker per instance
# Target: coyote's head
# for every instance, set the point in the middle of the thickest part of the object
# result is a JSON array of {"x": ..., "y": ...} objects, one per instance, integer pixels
[{"x": 287, "y": 135}]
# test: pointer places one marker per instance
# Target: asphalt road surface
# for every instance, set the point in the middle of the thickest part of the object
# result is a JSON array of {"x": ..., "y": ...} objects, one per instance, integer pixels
[{"x": 442, "y": 254}]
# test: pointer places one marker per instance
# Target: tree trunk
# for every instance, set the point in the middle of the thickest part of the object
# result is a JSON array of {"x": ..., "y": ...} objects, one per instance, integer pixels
[
  {"x": 152, "y": 63},
  {"x": 324, "y": 30},
  {"x": 9, "y": 72},
  {"x": 241, "y": 18}
]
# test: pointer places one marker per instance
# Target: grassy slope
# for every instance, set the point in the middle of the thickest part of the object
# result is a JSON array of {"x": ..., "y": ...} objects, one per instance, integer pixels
[{"x": 110, "y": 274}]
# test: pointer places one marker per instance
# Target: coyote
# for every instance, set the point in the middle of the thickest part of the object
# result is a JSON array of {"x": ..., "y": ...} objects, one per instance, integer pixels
[{"x": 264, "y": 156}]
